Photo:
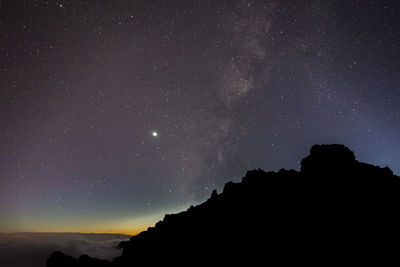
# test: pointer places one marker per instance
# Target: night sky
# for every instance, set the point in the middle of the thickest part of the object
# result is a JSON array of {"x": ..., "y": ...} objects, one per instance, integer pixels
[{"x": 113, "y": 113}]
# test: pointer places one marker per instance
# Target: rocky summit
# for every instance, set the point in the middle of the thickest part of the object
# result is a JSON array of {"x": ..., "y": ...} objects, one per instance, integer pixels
[{"x": 335, "y": 210}]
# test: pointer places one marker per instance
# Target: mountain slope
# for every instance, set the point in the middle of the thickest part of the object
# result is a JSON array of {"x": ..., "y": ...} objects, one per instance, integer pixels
[{"x": 334, "y": 209}]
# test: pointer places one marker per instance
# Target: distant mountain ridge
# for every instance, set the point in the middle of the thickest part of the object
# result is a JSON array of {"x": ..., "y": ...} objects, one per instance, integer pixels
[{"x": 334, "y": 210}]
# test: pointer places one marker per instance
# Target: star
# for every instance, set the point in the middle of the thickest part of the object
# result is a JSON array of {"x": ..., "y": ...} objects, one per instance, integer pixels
[{"x": 154, "y": 133}]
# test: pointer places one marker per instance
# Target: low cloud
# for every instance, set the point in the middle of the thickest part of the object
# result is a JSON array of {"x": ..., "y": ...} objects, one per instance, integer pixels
[{"x": 33, "y": 249}]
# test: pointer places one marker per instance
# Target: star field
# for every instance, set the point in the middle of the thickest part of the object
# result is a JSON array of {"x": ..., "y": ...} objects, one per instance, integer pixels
[{"x": 113, "y": 113}]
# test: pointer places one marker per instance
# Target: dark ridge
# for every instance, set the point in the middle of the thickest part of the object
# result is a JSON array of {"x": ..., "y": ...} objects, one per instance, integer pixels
[
  {"x": 335, "y": 210},
  {"x": 60, "y": 260}
]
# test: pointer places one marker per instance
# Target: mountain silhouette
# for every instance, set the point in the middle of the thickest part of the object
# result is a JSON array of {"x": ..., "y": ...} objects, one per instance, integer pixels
[{"x": 335, "y": 210}]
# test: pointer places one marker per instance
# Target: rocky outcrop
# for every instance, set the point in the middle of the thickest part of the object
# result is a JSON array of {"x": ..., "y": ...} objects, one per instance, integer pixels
[{"x": 335, "y": 210}]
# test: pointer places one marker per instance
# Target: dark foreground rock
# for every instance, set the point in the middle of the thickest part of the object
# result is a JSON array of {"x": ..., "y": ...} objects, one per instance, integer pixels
[
  {"x": 60, "y": 260},
  {"x": 335, "y": 210}
]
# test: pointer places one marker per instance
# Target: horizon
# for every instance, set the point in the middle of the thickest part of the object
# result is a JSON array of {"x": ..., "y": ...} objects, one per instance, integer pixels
[{"x": 95, "y": 233}]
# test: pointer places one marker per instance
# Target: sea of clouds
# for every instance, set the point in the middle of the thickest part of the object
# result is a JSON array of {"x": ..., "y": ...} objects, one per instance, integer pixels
[{"x": 33, "y": 249}]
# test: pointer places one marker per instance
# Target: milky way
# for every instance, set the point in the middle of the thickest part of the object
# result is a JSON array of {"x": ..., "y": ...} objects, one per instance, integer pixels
[{"x": 113, "y": 113}]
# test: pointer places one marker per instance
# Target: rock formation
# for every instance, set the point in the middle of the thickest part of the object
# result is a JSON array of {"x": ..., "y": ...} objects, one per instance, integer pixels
[{"x": 335, "y": 210}]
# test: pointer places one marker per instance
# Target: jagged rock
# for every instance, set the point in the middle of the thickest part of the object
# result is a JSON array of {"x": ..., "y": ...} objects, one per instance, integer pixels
[{"x": 335, "y": 210}]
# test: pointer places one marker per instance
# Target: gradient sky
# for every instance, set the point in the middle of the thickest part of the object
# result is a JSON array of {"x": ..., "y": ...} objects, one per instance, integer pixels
[{"x": 226, "y": 85}]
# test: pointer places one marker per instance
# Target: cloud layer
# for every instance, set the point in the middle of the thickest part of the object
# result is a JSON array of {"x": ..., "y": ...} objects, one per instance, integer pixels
[{"x": 33, "y": 249}]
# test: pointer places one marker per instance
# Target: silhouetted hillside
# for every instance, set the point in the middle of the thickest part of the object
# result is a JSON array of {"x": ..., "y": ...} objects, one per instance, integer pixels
[{"x": 335, "y": 210}]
